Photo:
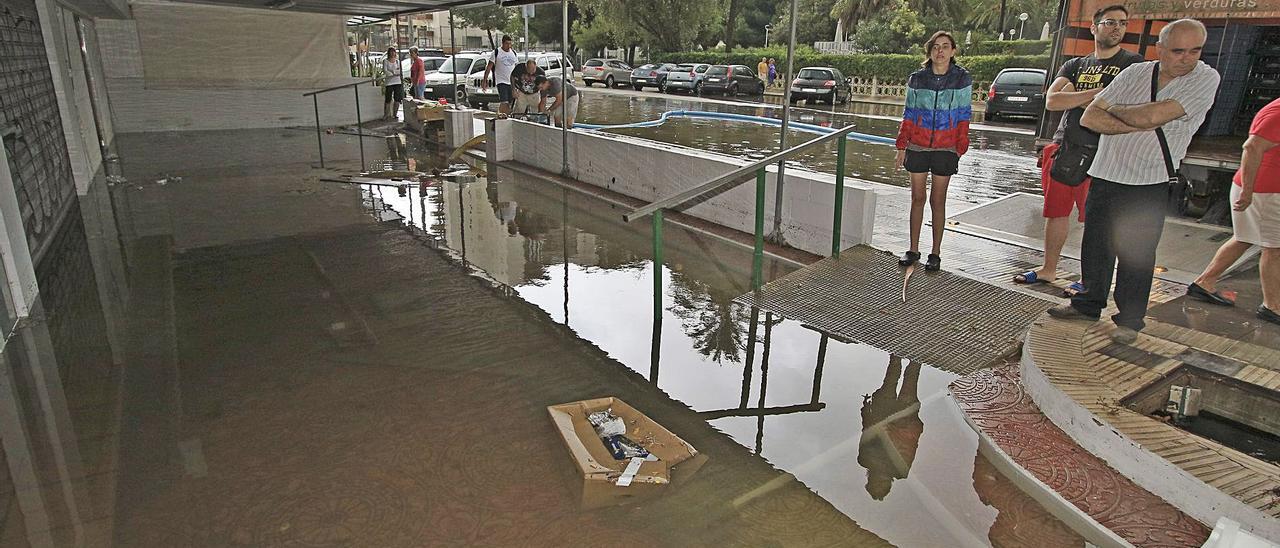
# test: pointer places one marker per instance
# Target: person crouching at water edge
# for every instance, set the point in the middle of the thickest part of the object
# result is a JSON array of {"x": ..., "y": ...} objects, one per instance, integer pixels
[{"x": 933, "y": 136}]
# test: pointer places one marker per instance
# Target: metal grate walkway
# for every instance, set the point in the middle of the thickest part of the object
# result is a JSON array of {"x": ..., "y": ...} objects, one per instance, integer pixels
[{"x": 948, "y": 321}]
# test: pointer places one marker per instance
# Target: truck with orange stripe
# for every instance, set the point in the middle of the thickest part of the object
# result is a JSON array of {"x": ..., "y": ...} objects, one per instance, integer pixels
[{"x": 1243, "y": 46}]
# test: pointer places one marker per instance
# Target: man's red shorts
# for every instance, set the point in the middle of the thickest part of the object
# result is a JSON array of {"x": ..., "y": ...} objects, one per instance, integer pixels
[{"x": 1058, "y": 198}]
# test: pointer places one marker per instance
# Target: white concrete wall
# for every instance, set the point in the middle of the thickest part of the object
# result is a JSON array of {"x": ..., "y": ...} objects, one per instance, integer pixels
[
  {"x": 138, "y": 108},
  {"x": 650, "y": 171}
]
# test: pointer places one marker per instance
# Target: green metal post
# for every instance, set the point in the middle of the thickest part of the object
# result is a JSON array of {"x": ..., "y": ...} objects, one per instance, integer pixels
[
  {"x": 757, "y": 257},
  {"x": 838, "y": 216},
  {"x": 657, "y": 264}
]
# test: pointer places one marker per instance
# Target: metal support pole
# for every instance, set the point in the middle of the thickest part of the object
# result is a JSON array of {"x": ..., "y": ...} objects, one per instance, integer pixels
[
  {"x": 319, "y": 140},
  {"x": 566, "y": 78},
  {"x": 454, "y": 44},
  {"x": 817, "y": 371},
  {"x": 776, "y": 235},
  {"x": 837, "y": 217},
  {"x": 655, "y": 350},
  {"x": 757, "y": 255},
  {"x": 359, "y": 127},
  {"x": 751, "y": 356}
]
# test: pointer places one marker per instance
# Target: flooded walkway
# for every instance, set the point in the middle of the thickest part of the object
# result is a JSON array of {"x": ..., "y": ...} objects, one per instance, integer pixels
[{"x": 326, "y": 364}]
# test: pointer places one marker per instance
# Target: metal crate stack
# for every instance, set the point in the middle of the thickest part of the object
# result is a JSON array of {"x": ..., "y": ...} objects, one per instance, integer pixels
[
  {"x": 1227, "y": 50},
  {"x": 1263, "y": 84}
]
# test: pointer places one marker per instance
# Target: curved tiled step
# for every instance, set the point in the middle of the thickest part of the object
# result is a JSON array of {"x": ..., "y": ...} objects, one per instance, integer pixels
[
  {"x": 1106, "y": 507},
  {"x": 1079, "y": 377}
]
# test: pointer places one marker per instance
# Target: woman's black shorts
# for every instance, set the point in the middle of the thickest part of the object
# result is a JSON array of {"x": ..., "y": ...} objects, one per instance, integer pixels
[
  {"x": 394, "y": 91},
  {"x": 942, "y": 163}
]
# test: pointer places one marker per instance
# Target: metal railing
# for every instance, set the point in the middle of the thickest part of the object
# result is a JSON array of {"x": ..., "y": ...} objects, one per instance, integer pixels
[
  {"x": 315, "y": 102},
  {"x": 737, "y": 177}
]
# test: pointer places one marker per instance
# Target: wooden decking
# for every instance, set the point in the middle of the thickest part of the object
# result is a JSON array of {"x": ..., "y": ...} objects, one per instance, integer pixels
[{"x": 1098, "y": 374}]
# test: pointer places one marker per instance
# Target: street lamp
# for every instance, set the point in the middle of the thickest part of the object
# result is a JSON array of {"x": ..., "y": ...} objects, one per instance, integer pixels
[
  {"x": 1022, "y": 17},
  {"x": 767, "y": 28}
]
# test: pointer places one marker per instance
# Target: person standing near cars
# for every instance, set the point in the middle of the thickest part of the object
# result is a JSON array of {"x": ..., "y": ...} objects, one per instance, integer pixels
[
  {"x": 1078, "y": 82},
  {"x": 417, "y": 73},
  {"x": 1255, "y": 217},
  {"x": 524, "y": 88},
  {"x": 500, "y": 66},
  {"x": 933, "y": 136},
  {"x": 1147, "y": 117},
  {"x": 762, "y": 70},
  {"x": 393, "y": 84},
  {"x": 773, "y": 72},
  {"x": 563, "y": 94}
]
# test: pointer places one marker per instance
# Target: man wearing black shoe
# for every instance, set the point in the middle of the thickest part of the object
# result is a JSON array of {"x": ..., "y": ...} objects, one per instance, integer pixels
[{"x": 1147, "y": 117}]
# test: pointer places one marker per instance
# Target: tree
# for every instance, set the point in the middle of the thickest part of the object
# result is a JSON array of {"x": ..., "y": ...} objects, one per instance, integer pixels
[
  {"x": 487, "y": 18},
  {"x": 755, "y": 14},
  {"x": 897, "y": 29},
  {"x": 730, "y": 23},
  {"x": 663, "y": 25},
  {"x": 980, "y": 15},
  {"x": 814, "y": 23}
]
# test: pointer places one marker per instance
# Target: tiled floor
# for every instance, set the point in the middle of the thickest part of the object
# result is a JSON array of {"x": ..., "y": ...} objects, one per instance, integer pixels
[{"x": 996, "y": 403}]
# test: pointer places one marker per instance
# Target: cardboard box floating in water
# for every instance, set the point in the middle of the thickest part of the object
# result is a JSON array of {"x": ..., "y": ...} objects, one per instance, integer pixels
[{"x": 601, "y": 473}]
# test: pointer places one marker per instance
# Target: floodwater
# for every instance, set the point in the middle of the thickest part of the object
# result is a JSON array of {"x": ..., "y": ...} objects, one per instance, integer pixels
[
  {"x": 303, "y": 362},
  {"x": 999, "y": 162}
]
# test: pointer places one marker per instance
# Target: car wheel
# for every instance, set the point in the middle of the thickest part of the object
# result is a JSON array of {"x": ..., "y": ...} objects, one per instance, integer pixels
[
  {"x": 992, "y": 115},
  {"x": 587, "y": 83},
  {"x": 608, "y": 82},
  {"x": 697, "y": 89},
  {"x": 461, "y": 98},
  {"x": 733, "y": 90},
  {"x": 638, "y": 88}
]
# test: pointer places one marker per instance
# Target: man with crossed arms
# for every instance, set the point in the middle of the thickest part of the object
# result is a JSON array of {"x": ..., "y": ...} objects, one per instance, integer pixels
[{"x": 1124, "y": 215}]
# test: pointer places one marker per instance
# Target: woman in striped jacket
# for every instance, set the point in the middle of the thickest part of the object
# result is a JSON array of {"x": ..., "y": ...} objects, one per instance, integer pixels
[{"x": 933, "y": 136}]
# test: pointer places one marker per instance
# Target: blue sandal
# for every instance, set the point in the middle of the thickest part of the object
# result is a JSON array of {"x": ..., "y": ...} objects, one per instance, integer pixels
[
  {"x": 1074, "y": 289},
  {"x": 1027, "y": 278}
]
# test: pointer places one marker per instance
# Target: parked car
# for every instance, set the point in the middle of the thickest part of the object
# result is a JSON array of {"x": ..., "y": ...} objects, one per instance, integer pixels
[
  {"x": 1017, "y": 91},
  {"x": 732, "y": 80},
  {"x": 652, "y": 75},
  {"x": 687, "y": 77},
  {"x": 430, "y": 65},
  {"x": 825, "y": 84},
  {"x": 440, "y": 84},
  {"x": 550, "y": 63},
  {"x": 610, "y": 72}
]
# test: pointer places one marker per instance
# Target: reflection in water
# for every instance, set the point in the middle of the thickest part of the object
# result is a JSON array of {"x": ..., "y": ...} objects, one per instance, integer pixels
[
  {"x": 709, "y": 317},
  {"x": 997, "y": 164},
  {"x": 891, "y": 428}
]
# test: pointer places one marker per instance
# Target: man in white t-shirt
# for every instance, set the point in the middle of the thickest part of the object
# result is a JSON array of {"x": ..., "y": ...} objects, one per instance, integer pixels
[
  {"x": 1124, "y": 215},
  {"x": 500, "y": 65}
]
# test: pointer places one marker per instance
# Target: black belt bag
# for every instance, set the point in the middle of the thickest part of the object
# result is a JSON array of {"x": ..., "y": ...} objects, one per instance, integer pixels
[{"x": 1071, "y": 162}]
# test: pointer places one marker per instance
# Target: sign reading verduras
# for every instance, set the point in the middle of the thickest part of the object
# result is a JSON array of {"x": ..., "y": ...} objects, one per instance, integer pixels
[{"x": 1177, "y": 9}]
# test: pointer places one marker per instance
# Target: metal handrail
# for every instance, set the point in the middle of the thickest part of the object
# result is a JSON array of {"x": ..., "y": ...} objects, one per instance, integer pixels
[
  {"x": 319, "y": 91},
  {"x": 315, "y": 103},
  {"x": 736, "y": 176}
]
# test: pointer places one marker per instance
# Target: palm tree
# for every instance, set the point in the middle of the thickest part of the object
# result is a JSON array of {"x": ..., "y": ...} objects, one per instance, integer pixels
[{"x": 850, "y": 12}]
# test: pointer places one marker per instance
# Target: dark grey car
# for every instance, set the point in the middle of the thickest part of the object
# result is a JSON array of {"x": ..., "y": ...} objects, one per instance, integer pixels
[
  {"x": 824, "y": 84},
  {"x": 732, "y": 80},
  {"x": 651, "y": 75},
  {"x": 1017, "y": 91}
]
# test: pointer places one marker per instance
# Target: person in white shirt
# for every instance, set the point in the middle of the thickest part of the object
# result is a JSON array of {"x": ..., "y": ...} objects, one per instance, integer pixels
[
  {"x": 393, "y": 86},
  {"x": 500, "y": 66},
  {"x": 1124, "y": 215}
]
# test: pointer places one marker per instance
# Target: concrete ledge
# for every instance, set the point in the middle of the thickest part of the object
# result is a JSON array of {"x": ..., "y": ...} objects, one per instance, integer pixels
[
  {"x": 649, "y": 171},
  {"x": 1057, "y": 345}
]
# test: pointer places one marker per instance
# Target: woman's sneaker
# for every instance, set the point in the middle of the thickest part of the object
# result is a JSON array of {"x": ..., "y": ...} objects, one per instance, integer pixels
[
  {"x": 933, "y": 264},
  {"x": 909, "y": 258}
]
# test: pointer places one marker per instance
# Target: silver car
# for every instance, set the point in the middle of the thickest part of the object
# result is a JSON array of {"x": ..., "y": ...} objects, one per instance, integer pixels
[
  {"x": 687, "y": 77},
  {"x": 610, "y": 72}
]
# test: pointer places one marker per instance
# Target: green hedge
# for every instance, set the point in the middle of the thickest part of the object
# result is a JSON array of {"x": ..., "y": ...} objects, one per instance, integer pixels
[
  {"x": 886, "y": 67},
  {"x": 1007, "y": 47}
]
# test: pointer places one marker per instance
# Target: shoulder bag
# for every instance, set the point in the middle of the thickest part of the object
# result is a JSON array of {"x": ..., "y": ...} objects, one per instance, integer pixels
[
  {"x": 1164, "y": 143},
  {"x": 1073, "y": 158}
]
